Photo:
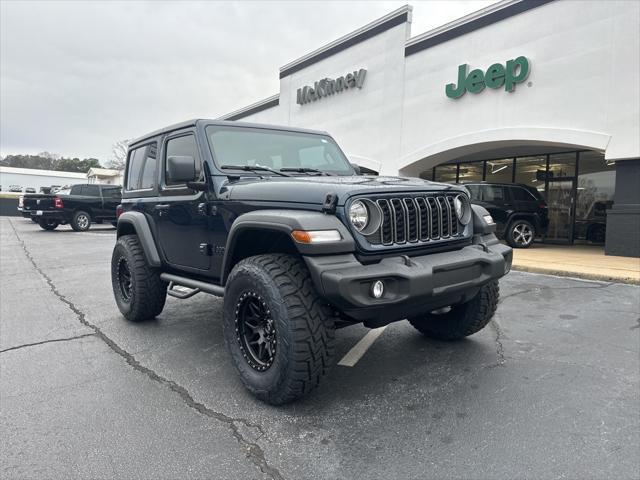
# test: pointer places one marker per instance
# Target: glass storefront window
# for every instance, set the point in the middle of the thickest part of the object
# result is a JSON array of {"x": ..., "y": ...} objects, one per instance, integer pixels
[
  {"x": 531, "y": 171},
  {"x": 562, "y": 165},
  {"x": 470, "y": 172},
  {"x": 499, "y": 171},
  {"x": 596, "y": 185},
  {"x": 446, "y": 173},
  {"x": 427, "y": 174}
]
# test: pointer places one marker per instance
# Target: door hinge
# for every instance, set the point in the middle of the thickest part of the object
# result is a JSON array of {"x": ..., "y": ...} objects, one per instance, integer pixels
[
  {"x": 330, "y": 203},
  {"x": 206, "y": 249}
]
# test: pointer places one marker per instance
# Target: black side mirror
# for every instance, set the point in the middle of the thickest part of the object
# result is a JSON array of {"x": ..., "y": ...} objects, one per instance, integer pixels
[
  {"x": 181, "y": 169},
  {"x": 356, "y": 167}
]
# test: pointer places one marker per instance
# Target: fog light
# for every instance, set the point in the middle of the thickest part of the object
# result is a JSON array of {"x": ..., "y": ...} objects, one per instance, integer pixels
[{"x": 377, "y": 289}]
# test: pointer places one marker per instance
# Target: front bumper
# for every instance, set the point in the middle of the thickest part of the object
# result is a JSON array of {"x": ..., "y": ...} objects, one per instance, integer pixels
[{"x": 413, "y": 285}]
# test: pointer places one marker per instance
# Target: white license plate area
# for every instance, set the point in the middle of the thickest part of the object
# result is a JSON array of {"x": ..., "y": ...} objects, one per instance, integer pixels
[{"x": 38, "y": 212}]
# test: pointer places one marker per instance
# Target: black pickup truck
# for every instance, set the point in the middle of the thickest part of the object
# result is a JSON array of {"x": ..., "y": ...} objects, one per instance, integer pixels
[{"x": 81, "y": 206}]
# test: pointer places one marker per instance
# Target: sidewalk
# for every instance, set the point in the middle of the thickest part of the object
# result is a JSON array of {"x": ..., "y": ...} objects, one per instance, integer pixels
[{"x": 584, "y": 261}]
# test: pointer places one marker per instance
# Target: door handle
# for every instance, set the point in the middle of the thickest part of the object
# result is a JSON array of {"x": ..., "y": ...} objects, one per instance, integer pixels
[{"x": 163, "y": 206}]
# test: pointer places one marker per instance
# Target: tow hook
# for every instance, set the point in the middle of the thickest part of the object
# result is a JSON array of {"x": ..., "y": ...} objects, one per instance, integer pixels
[{"x": 407, "y": 261}]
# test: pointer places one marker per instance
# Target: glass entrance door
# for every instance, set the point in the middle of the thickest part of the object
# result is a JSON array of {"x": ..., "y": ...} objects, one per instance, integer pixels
[{"x": 560, "y": 203}]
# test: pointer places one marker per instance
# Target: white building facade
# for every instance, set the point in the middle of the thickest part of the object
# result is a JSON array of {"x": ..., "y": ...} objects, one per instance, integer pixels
[
  {"x": 35, "y": 178},
  {"x": 542, "y": 92}
]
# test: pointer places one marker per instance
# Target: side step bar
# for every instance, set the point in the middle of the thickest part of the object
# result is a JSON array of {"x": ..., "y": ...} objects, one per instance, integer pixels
[{"x": 197, "y": 285}]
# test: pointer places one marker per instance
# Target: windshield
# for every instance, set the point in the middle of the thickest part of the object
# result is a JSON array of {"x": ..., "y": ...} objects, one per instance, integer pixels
[{"x": 250, "y": 147}]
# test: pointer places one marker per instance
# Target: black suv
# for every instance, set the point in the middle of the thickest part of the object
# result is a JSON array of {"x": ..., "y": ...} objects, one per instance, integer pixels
[
  {"x": 277, "y": 221},
  {"x": 520, "y": 212}
]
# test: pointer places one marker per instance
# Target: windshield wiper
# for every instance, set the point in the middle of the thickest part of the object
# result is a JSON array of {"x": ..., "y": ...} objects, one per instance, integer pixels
[
  {"x": 305, "y": 170},
  {"x": 253, "y": 168}
]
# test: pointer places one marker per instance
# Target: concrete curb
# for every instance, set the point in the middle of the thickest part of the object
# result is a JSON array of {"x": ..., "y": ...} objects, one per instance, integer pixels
[{"x": 587, "y": 276}]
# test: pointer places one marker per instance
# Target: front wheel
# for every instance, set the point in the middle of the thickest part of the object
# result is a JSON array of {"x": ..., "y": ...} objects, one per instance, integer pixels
[
  {"x": 48, "y": 224},
  {"x": 279, "y": 332},
  {"x": 137, "y": 288},
  {"x": 520, "y": 234},
  {"x": 463, "y": 319},
  {"x": 81, "y": 221}
]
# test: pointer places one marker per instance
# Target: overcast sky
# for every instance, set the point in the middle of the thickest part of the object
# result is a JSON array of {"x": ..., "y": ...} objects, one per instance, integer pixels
[{"x": 78, "y": 76}]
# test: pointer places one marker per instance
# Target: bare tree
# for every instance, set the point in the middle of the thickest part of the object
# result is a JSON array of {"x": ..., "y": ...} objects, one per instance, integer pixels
[{"x": 118, "y": 155}]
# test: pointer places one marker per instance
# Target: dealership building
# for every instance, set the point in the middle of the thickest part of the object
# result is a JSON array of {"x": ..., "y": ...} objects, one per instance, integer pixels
[{"x": 543, "y": 93}]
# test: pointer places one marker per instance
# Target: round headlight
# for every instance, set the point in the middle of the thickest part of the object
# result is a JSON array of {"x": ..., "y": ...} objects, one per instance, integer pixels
[
  {"x": 463, "y": 209},
  {"x": 358, "y": 215}
]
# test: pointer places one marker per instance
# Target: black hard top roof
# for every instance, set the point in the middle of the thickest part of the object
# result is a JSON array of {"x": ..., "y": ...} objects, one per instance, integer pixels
[{"x": 195, "y": 121}]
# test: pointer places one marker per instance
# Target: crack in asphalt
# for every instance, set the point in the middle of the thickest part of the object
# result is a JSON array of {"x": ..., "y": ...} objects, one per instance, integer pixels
[
  {"x": 499, "y": 345},
  {"x": 26, "y": 345},
  {"x": 253, "y": 451}
]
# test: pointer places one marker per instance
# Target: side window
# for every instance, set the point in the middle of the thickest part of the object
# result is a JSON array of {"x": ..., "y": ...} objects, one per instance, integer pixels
[
  {"x": 141, "y": 172},
  {"x": 76, "y": 190},
  {"x": 493, "y": 193},
  {"x": 474, "y": 191},
  {"x": 92, "y": 190},
  {"x": 148, "y": 177},
  {"x": 521, "y": 194},
  {"x": 111, "y": 193},
  {"x": 184, "y": 146}
]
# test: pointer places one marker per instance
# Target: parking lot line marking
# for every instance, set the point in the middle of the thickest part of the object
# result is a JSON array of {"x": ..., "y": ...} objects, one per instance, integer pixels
[{"x": 359, "y": 349}]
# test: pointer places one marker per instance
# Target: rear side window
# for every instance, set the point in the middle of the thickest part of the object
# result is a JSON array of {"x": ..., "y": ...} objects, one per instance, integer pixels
[
  {"x": 493, "y": 193},
  {"x": 184, "y": 146},
  {"x": 111, "y": 193},
  {"x": 92, "y": 190},
  {"x": 522, "y": 194},
  {"x": 141, "y": 171},
  {"x": 76, "y": 190}
]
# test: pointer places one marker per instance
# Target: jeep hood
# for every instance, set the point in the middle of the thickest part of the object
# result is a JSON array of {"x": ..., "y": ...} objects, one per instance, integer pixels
[{"x": 314, "y": 189}]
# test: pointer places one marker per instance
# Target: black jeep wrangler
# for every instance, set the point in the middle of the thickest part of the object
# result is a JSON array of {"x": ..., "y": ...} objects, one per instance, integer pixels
[{"x": 277, "y": 221}]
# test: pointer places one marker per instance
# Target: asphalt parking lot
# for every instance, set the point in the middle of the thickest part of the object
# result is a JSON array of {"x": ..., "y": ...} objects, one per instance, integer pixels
[{"x": 550, "y": 389}]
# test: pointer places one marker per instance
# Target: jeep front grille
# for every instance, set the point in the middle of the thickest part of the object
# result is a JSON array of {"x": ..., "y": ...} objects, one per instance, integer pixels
[{"x": 415, "y": 219}]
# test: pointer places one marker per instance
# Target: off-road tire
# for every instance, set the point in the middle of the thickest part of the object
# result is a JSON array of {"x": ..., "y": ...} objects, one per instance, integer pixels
[
  {"x": 81, "y": 221},
  {"x": 511, "y": 235},
  {"x": 304, "y": 326},
  {"x": 463, "y": 319},
  {"x": 148, "y": 293},
  {"x": 48, "y": 224}
]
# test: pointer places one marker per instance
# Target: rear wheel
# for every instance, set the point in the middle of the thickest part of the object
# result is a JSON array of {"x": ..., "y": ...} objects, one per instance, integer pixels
[
  {"x": 463, "y": 319},
  {"x": 520, "y": 234},
  {"x": 278, "y": 330},
  {"x": 138, "y": 290},
  {"x": 81, "y": 221},
  {"x": 48, "y": 224}
]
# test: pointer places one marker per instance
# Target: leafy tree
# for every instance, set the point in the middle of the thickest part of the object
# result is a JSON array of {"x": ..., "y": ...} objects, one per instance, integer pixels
[{"x": 49, "y": 161}]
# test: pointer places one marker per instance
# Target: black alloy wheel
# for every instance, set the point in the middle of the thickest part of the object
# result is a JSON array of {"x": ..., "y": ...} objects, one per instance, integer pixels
[
  {"x": 124, "y": 280},
  {"x": 255, "y": 331}
]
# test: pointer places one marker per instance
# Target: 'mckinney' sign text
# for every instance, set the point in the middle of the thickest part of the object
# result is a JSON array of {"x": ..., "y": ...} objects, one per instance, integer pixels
[{"x": 329, "y": 86}]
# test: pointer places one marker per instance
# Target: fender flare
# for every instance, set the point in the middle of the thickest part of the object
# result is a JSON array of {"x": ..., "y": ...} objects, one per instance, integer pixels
[
  {"x": 286, "y": 221},
  {"x": 141, "y": 226}
]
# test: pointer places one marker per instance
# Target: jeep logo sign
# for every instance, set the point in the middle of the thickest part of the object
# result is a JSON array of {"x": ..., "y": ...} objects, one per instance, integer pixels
[
  {"x": 329, "y": 86},
  {"x": 497, "y": 75}
]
